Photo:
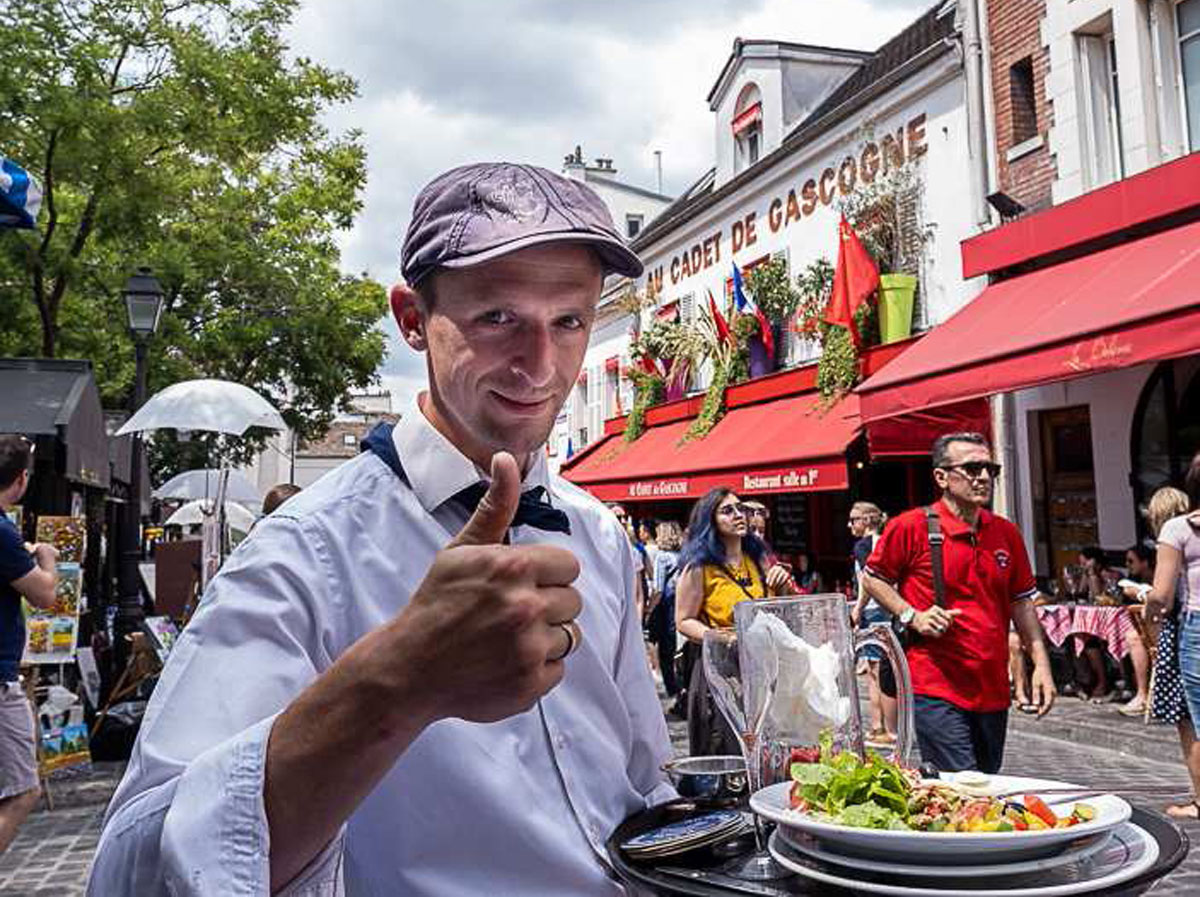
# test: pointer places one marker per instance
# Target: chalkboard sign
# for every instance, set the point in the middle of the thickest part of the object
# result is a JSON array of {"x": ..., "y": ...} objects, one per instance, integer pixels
[{"x": 789, "y": 523}]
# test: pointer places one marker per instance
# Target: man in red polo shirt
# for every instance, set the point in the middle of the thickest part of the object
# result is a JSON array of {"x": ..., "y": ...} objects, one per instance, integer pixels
[{"x": 958, "y": 654}]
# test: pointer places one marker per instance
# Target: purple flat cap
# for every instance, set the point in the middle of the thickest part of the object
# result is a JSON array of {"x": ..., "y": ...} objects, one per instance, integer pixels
[{"x": 479, "y": 212}]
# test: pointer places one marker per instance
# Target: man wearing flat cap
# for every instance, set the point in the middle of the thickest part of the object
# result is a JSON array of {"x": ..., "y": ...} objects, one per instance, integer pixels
[{"x": 423, "y": 675}]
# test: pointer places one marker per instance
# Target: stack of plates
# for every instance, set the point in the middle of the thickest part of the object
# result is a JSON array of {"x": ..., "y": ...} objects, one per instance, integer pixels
[
  {"x": 1087, "y": 857},
  {"x": 684, "y": 835}
]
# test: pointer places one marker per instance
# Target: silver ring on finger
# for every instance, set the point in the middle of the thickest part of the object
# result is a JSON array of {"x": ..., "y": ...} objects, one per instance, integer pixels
[{"x": 574, "y": 636}]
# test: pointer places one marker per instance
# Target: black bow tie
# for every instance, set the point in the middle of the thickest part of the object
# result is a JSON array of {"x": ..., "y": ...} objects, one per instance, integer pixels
[{"x": 533, "y": 509}]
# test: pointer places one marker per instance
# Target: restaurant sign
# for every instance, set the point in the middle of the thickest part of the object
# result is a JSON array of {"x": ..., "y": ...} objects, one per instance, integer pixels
[
  {"x": 809, "y": 192},
  {"x": 814, "y": 476}
]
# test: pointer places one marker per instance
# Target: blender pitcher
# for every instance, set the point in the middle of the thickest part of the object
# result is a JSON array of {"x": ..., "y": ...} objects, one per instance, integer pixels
[{"x": 797, "y": 657}]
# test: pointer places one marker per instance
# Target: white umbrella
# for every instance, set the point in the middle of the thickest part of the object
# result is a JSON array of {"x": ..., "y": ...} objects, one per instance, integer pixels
[
  {"x": 203, "y": 484},
  {"x": 216, "y": 405},
  {"x": 194, "y": 513}
]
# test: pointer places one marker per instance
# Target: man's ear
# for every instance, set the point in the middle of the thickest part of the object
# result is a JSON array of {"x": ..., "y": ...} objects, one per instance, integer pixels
[
  {"x": 409, "y": 311},
  {"x": 940, "y": 477}
]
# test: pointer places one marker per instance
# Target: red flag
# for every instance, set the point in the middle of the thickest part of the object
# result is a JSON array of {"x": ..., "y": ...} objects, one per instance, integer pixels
[
  {"x": 718, "y": 319},
  {"x": 854, "y": 280}
]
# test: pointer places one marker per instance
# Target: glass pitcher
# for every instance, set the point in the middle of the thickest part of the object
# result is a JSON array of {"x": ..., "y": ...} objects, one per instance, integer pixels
[{"x": 797, "y": 657}]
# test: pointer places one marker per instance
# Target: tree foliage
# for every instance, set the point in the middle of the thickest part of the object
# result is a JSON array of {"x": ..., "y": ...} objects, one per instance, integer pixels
[{"x": 182, "y": 135}]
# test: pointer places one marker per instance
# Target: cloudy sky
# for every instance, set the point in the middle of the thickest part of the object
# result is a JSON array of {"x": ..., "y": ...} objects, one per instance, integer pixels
[{"x": 446, "y": 82}]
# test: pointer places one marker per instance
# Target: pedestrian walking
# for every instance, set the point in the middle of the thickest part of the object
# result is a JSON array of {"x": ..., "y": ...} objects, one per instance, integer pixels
[
  {"x": 866, "y": 526},
  {"x": 1173, "y": 606},
  {"x": 423, "y": 675},
  {"x": 722, "y": 565},
  {"x": 669, "y": 541},
  {"x": 26, "y": 571},
  {"x": 954, "y": 574}
]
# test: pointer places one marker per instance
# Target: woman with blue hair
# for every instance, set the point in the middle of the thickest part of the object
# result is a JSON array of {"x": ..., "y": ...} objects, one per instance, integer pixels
[{"x": 722, "y": 565}]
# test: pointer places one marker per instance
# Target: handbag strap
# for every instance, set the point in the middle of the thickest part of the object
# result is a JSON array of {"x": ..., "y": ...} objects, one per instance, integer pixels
[{"x": 936, "y": 537}]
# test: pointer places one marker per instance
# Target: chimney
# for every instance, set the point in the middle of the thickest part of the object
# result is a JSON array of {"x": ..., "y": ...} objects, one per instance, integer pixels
[
  {"x": 603, "y": 168},
  {"x": 573, "y": 165},
  {"x": 658, "y": 170}
]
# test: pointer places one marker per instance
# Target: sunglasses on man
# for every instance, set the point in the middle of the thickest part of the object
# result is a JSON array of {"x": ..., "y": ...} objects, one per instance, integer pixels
[{"x": 976, "y": 469}]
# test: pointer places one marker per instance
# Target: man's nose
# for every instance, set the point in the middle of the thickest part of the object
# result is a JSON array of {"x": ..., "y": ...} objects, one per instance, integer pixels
[{"x": 534, "y": 358}]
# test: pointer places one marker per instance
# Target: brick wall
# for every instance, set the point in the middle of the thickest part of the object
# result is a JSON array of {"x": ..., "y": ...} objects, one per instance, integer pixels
[{"x": 1014, "y": 34}]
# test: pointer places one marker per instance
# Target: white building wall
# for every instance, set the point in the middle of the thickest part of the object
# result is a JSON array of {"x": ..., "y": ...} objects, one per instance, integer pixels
[
  {"x": 1111, "y": 400},
  {"x": 1150, "y": 130},
  {"x": 767, "y": 75},
  {"x": 622, "y": 202},
  {"x": 933, "y": 100}
]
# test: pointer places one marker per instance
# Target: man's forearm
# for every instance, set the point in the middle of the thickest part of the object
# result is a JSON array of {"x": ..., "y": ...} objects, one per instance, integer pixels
[
  {"x": 321, "y": 763},
  {"x": 1030, "y": 632},
  {"x": 885, "y": 594}
]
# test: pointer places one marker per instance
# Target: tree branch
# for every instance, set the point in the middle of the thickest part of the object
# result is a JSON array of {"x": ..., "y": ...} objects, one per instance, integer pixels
[{"x": 48, "y": 194}]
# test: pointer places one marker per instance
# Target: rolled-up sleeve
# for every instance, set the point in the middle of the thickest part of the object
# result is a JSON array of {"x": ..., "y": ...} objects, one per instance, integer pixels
[{"x": 189, "y": 817}]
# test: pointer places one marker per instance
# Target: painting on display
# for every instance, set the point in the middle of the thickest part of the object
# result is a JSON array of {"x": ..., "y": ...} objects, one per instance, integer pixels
[{"x": 51, "y": 633}]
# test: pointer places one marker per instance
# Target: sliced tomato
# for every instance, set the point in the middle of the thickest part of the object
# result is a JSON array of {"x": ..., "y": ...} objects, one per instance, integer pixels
[{"x": 1038, "y": 808}]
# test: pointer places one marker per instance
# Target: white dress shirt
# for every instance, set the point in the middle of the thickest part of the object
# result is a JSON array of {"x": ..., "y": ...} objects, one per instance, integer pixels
[{"x": 520, "y": 807}]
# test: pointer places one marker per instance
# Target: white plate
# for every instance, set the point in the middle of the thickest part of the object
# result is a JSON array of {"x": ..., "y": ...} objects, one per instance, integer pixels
[
  {"x": 1128, "y": 853},
  {"x": 948, "y": 848},
  {"x": 1073, "y": 854}
]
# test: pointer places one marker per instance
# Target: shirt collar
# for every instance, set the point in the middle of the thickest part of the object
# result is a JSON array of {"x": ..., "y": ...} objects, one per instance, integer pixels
[
  {"x": 437, "y": 470},
  {"x": 953, "y": 525}
]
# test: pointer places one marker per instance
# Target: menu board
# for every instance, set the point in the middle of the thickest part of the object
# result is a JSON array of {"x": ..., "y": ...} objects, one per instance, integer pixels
[
  {"x": 51, "y": 633},
  {"x": 789, "y": 523}
]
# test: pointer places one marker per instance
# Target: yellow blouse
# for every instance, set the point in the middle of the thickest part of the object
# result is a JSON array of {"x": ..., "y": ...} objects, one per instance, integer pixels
[{"x": 721, "y": 592}]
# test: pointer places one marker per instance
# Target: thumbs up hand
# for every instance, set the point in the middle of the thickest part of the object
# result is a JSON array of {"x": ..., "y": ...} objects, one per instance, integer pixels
[{"x": 485, "y": 634}]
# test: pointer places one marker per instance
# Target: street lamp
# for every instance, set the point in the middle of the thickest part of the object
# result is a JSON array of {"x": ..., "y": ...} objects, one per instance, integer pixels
[{"x": 143, "y": 302}]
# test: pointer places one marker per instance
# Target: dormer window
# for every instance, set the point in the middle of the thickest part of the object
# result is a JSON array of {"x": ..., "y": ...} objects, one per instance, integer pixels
[{"x": 747, "y": 127}]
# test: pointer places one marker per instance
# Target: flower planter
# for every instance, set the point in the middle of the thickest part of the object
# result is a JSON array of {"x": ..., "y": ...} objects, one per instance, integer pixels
[{"x": 896, "y": 293}]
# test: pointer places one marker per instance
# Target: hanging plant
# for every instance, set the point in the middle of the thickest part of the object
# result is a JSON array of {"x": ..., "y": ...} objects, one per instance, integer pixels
[
  {"x": 713, "y": 408},
  {"x": 838, "y": 365},
  {"x": 648, "y": 390},
  {"x": 839, "y": 368}
]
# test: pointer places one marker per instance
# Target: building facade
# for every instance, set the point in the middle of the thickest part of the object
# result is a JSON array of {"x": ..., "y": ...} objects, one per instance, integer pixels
[
  {"x": 1088, "y": 95},
  {"x": 801, "y": 134}
]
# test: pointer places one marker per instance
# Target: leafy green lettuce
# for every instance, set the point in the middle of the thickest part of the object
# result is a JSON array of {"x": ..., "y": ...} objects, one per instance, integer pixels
[{"x": 864, "y": 794}]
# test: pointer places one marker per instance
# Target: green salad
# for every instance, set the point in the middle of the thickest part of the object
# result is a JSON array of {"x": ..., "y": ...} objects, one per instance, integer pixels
[{"x": 871, "y": 793}]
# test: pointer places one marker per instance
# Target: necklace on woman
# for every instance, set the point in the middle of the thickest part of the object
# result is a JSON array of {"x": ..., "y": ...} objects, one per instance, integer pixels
[{"x": 742, "y": 576}]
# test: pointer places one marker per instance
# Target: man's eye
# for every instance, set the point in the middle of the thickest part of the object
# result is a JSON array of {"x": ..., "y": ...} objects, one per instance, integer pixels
[
  {"x": 496, "y": 317},
  {"x": 571, "y": 322}
]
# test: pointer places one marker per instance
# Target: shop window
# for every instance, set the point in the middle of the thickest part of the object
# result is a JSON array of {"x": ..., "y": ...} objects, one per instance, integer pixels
[
  {"x": 1166, "y": 430},
  {"x": 1022, "y": 101},
  {"x": 1100, "y": 109},
  {"x": 1188, "y": 28},
  {"x": 687, "y": 308},
  {"x": 633, "y": 225}
]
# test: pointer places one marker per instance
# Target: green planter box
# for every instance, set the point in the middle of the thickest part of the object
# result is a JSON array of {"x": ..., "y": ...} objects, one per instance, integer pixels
[{"x": 896, "y": 293}]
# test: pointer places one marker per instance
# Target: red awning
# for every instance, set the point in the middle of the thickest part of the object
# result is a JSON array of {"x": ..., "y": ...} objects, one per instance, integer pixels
[
  {"x": 786, "y": 445},
  {"x": 913, "y": 434},
  {"x": 752, "y": 115},
  {"x": 1129, "y": 304}
]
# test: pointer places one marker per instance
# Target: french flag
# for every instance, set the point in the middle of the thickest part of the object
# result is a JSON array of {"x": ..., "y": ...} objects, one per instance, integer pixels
[{"x": 747, "y": 305}]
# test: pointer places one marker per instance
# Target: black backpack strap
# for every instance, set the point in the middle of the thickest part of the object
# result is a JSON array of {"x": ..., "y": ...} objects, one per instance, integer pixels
[{"x": 936, "y": 538}]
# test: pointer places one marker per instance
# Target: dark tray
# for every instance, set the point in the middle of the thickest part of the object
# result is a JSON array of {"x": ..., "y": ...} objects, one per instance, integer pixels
[{"x": 698, "y": 873}]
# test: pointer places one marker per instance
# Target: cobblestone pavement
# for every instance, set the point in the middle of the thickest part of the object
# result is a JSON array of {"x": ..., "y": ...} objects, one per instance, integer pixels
[{"x": 53, "y": 849}]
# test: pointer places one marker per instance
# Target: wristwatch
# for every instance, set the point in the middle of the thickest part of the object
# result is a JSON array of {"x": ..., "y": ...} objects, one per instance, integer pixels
[{"x": 907, "y": 616}]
